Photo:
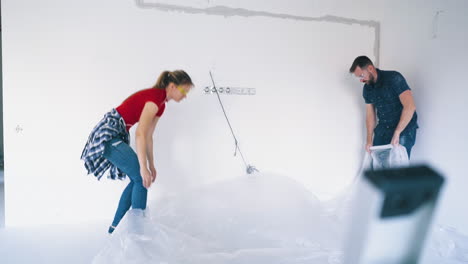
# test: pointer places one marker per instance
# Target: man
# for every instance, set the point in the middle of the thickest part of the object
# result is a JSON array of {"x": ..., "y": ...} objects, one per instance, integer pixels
[{"x": 387, "y": 94}]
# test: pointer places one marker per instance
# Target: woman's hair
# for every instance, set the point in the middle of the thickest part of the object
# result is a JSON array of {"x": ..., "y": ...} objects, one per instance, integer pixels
[{"x": 178, "y": 77}]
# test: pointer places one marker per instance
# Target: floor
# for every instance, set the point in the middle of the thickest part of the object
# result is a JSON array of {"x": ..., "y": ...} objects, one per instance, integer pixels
[
  {"x": 52, "y": 244},
  {"x": 77, "y": 244}
]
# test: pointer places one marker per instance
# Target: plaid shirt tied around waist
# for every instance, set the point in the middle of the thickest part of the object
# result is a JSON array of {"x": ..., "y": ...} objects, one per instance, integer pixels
[{"x": 111, "y": 126}]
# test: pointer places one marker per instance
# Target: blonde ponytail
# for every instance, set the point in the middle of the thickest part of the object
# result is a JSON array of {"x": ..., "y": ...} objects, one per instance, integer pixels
[{"x": 178, "y": 77}]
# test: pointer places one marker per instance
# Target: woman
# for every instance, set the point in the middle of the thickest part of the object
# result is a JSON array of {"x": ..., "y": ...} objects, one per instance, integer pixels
[{"x": 108, "y": 144}]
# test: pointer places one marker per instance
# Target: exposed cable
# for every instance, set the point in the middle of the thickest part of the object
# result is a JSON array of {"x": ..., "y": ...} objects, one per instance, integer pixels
[{"x": 249, "y": 168}]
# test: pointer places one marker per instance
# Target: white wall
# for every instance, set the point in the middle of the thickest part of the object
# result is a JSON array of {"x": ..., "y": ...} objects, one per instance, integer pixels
[{"x": 66, "y": 64}]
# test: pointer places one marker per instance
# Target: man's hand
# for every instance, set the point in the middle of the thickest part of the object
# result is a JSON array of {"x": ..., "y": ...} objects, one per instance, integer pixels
[
  {"x": 153, "y": 173},
  {"x": 146, "y": 177},
  {"x": 368, "y": 146},
  {"x": 396, "y": 138}
]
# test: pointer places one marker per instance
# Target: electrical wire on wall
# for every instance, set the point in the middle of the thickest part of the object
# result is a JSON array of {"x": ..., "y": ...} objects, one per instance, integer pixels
[{"x": 249, "y": 168}]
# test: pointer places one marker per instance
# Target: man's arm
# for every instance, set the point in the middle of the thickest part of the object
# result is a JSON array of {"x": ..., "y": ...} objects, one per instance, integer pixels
[
  {"x": 370, "y": 124},
  {"x": 406, "y": 99}
]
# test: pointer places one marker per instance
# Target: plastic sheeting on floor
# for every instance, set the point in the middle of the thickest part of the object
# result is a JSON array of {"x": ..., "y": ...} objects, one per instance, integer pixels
[
  {"x": 260, "y": 218},
  {"x": 252, "y": 219}
]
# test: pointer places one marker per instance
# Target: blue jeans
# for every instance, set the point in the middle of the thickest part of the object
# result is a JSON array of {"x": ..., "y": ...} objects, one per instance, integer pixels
[
  {"x": 407, "y": 139},
  {"x": 135, "y": 194}
]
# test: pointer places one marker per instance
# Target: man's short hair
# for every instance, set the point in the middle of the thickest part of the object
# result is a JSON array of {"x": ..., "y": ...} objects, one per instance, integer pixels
[{"x": 362, "y": 62}]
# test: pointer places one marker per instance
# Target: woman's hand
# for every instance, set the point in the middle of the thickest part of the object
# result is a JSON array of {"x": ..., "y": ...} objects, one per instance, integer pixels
[
  {"x": 146, "y": 177},
  {"x": 153, "y": 173}
]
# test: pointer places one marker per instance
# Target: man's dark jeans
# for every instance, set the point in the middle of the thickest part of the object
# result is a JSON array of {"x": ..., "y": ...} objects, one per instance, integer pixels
[{"x": 407, "y": 139}]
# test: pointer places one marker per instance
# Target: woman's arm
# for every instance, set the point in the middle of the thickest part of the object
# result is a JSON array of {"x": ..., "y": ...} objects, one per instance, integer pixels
[
  {"x": 142, "y": 136},
  {"x": 149, "y": 149}
]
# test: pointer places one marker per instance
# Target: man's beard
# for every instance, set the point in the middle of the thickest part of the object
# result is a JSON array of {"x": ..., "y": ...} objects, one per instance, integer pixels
[{"x": 371, "y": 80}]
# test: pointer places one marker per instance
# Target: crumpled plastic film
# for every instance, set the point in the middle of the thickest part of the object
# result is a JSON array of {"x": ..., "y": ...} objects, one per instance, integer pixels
[
  {"x": 251, "y": 219},
  {"x": 450, "y": 244},
  {"x": 258, "y": 218}
]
